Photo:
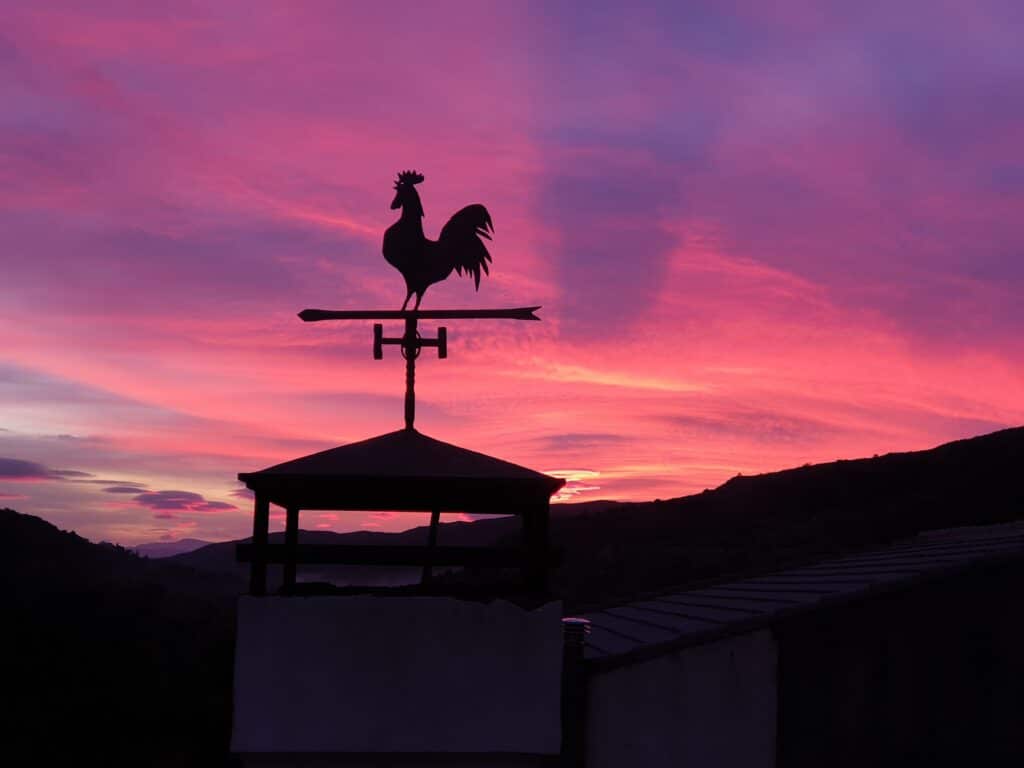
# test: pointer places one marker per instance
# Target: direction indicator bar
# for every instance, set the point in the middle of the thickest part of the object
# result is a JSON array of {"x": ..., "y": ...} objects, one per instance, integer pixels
[{"x": 517, "y": 313}]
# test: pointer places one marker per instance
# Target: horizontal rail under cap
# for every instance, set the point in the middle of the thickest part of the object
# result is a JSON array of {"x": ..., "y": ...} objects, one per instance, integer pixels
[{"x": 390, "y": 554}]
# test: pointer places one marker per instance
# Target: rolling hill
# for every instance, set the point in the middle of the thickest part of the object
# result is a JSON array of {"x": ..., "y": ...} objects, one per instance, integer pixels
[
  {"x": 110, "y": 654},
  {"x": 158, "y": 549},
  {"x": 768, "y": 521}
]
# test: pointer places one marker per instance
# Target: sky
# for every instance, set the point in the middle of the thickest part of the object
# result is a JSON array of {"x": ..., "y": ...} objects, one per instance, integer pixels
[{"x": 762, "y": 234}]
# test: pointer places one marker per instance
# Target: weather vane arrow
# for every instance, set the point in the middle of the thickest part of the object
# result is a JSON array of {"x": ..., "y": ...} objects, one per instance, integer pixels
[
  {"x": 422, "y": 263},
  {"x": 515, "y": 313}
]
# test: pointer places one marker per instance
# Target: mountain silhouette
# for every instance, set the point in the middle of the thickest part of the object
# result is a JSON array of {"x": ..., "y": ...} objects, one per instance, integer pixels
[
  {"x": 158, "y": 549},
  {"x": 111, "y": 655},
  {"x": 765, "y": 522}
]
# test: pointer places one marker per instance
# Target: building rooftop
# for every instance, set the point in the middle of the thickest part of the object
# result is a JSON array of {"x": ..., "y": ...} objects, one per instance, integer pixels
[
  {"x": 404, "y": 453},
  {"x": 401, "y": 470},
  {"x": 690, "y": 617}
]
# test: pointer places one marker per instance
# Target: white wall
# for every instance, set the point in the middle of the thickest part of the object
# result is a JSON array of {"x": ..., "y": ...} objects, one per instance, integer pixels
[
  {"x": 396, "y": 674},
  {"x": 397, "y": 761},
  {"x": 709, "y": 705}
]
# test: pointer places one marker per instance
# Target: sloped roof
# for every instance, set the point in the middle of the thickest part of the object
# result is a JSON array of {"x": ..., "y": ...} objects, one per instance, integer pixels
[
  {"x": 399, "y": 467},
  {"x": 405, "y": 453},
  {"x": 671, "y": 621}
]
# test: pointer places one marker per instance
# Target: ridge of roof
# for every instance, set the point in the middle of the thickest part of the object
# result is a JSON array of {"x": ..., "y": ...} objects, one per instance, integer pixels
[{"x": 404, "y": 453}]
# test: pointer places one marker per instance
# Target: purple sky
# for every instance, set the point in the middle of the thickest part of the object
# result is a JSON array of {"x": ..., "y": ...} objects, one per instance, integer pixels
[{"x": 763, "y": 235}]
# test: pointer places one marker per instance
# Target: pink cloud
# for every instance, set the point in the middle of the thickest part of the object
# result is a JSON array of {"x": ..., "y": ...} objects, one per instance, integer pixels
[{"x": 167, "y": 504}]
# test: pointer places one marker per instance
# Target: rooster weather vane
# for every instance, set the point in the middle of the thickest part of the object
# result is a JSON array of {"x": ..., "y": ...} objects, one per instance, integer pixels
[
  {"x": 460, "y": 248},
  {"x": 424, "y": 262}
]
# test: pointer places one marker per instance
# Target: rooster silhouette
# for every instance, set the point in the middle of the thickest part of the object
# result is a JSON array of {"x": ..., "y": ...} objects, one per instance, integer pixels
[{"x": 424, "y": 262}]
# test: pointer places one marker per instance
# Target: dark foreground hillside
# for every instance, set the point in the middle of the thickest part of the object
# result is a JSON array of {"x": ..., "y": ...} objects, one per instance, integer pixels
[{"x": 106, "y": 653}]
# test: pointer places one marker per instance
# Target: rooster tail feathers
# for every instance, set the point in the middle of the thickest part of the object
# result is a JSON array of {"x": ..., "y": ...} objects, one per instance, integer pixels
[{"x": 462, "y": 239}]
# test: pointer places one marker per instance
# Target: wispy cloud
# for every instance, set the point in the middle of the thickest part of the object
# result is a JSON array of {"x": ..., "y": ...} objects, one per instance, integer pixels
[
  {"x": 167, "y": 503},
  {"x": 20, "y": 469}
]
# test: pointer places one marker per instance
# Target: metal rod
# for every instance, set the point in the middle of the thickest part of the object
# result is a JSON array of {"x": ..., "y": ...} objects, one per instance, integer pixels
[
  {"x": 411, "y": 349},
  {"x": 389, "y": 554},
  {"x": 517, "y": 313}
]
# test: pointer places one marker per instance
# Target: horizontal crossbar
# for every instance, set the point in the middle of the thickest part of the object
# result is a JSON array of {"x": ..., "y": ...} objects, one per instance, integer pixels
[
  {"x": 418, "y": 341},
  {"x": 517, "y": 313},
  {"x": 371, "y": 554}
]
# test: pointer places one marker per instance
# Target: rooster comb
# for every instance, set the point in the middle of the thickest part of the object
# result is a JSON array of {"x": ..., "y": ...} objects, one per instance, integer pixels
[{"x": 409, "y": 177}]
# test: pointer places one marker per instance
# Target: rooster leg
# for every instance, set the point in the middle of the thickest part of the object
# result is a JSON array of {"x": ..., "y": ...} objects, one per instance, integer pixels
[
  {"x": 419, "y": 298},
  {"x": 407, "y": 297}
]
